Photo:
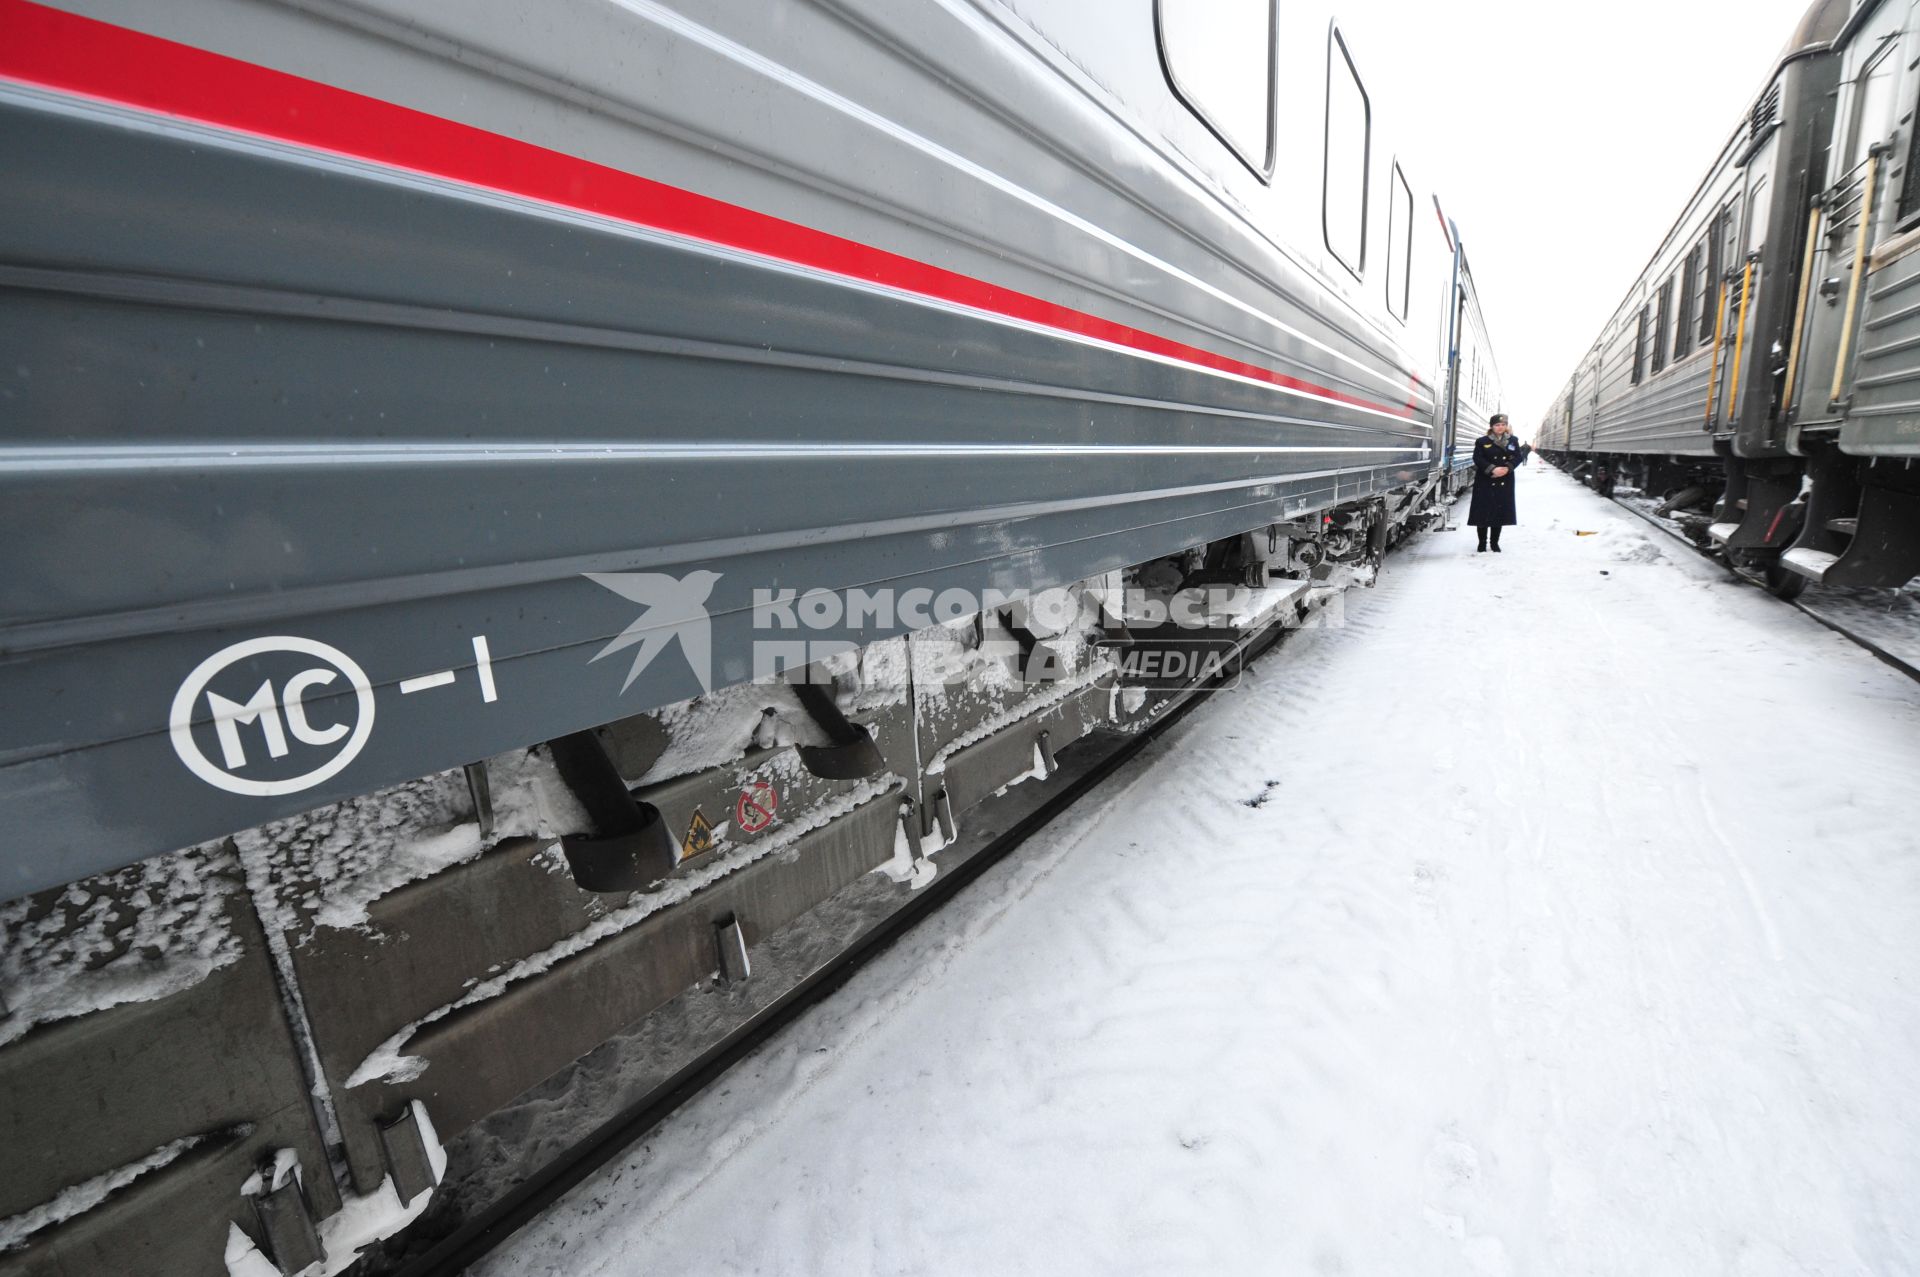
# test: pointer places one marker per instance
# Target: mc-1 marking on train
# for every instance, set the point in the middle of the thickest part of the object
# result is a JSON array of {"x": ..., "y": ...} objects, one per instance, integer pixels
[
  {"x": 278, "y": 713},
  {"x": 284, "y": 723}
]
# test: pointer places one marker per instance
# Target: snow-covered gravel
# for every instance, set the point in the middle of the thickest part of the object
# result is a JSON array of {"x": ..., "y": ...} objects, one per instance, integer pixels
[{"x": 1558, "y": 914}]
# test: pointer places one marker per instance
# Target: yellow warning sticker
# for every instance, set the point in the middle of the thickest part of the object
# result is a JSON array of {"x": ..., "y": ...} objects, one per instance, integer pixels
[{"x": 699, "y": 839}]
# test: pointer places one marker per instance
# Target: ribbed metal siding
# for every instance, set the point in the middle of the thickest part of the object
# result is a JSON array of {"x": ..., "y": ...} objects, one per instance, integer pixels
[{"x": 1884, "y": 418}]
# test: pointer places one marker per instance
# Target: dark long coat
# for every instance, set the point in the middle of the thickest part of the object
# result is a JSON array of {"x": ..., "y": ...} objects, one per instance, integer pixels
[{"x": 1493, "y": 498}]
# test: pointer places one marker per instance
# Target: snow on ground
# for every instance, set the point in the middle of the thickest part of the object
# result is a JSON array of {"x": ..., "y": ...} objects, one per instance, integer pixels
[
  {"x": 1560, "y": 913},
  {"x": 1889, "y": 618}
]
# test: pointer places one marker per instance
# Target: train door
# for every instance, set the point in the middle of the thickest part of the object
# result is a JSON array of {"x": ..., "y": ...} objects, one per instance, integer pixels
[
  {"x": 1585, "y": 399},
  {"x": 1856, "y": 383},
  {"x": 1756, "y": 275},
  {"x": 1830, "y": 305},
  {"x": 1729, "y": 284},
  {"x": 1880, "y": 390}
]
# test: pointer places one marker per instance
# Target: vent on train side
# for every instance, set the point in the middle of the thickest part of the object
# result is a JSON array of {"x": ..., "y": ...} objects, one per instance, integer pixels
[{"x": 1766, "y": 113}]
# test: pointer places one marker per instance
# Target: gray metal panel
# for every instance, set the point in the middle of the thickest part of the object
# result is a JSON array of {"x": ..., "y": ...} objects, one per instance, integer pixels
[
  {"x": 361, "y": 984},
  {"x": 1884, "y": 416},
  {"x": 479, "y": 1057},
  {"x": 924, "y": 129},
  {"x": 527, "y": 423},
  {"x": 1855, "y": 129},
  {"x": 1826, "y": 311},
  {"x": 1664, "y": 414},
  {"x": 86, "y": 1096},
  {"x": 173, "y": 1221}
]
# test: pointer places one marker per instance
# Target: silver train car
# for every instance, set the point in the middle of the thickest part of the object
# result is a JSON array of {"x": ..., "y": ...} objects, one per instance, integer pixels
[
  {"x": 504, "y": 511},
  {"x": 1761, "y": 372}
]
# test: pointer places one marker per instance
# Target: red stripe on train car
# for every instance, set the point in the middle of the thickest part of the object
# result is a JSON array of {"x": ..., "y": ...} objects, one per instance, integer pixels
[{"x": 54, "y": 49}]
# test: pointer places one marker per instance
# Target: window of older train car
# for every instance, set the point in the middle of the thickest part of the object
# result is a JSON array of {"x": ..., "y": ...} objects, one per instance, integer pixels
[
  {"x": 1689, "y": 281},
  {"x": 1343, "y": 208},
  {"x": 1910, "y": 180},
  {"x": 1399, "y": 244},
  {"x": 1731, "y": 263},
  {"x": 1758, "y": 207},
  {"x": 1709, "y": 251},
  {"x": 1662, "y": 313},
  {"x": 1639, "y": 348},
  {"x": 1871, "y": 118},
  {"x": 1218, "y": 56}
]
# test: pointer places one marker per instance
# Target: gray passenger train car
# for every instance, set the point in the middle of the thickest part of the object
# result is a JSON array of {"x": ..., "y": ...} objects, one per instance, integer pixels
[
  {"x": 503, "y": 509},
  {"x": 1477, "y": 377},
  {"x": 1762, "y": 363}
]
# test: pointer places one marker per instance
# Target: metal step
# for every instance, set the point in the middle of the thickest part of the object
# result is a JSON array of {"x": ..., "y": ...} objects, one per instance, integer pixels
[
  {"x": 1848, "y": 526},
  {"x": 1812, "y": 564},
  {"x": 1722, "y": 532}
]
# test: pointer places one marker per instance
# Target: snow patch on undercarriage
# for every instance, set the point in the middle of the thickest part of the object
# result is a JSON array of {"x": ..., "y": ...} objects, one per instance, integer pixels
[
  {"x": 1055, "y": 693},
  {"x": 77, "y": 1199},
  {"x": 389, "y": 1062},
  {"x": 145, "y": 932},
  {"x": 324, "y": 868},
  {"x": 715, "y": 729},
  {"x": 718, "y": 728}
]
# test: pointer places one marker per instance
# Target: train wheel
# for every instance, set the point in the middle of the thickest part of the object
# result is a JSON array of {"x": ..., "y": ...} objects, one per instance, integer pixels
[{"x": 1783, "y": 582}]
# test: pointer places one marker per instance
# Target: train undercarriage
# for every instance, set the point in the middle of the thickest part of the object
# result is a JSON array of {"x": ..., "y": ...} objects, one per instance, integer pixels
[
  {"x": 351, "y": 1029},
  {"x": 1829, "y": 517}
]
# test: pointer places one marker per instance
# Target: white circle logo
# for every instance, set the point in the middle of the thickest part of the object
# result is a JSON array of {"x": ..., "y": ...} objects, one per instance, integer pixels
[{"x": 270, "y": 727}]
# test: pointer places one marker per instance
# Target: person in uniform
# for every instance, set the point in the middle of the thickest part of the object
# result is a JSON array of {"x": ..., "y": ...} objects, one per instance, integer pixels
[{"x": 1495, "y": 455}]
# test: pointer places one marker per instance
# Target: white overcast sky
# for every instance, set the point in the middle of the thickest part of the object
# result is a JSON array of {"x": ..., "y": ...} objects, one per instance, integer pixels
[{"x": 1564, "y": 139}]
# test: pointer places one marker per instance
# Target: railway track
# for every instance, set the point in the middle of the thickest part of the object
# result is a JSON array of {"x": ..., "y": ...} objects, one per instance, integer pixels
[
  {"x": 998, "y": 834},
  {"x": 1908, "y": 664}
]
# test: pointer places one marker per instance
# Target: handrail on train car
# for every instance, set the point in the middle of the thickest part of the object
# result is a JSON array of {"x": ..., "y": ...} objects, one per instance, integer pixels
[
  {"x": 1859, "y": 270},
  {"x": 1740, "y": 339},
  {"x": 1713, "y": 367},
  {"x": 1800, "y": 306}
]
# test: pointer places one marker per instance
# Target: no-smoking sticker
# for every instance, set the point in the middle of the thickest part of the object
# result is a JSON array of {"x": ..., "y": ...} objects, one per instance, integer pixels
[{"x": 757, "y": 804}]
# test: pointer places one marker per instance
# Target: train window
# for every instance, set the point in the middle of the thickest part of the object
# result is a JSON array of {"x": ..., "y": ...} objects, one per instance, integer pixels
[
  {"x": 1758, "y": 206},
  {"x": 1872, "y": 104},
  {"x": 1910, "y": 180},
  {"x": 1709, "y": 250},
  {"x": 1662, "y": 314},
  {"x": 1399, "y": 244},
  {"x": 1639, "y": 349},
  {"x": 1343, "y": 208},
  {"x": 1689, "y": 278},
  {"x": 1218, "y": 56}
]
